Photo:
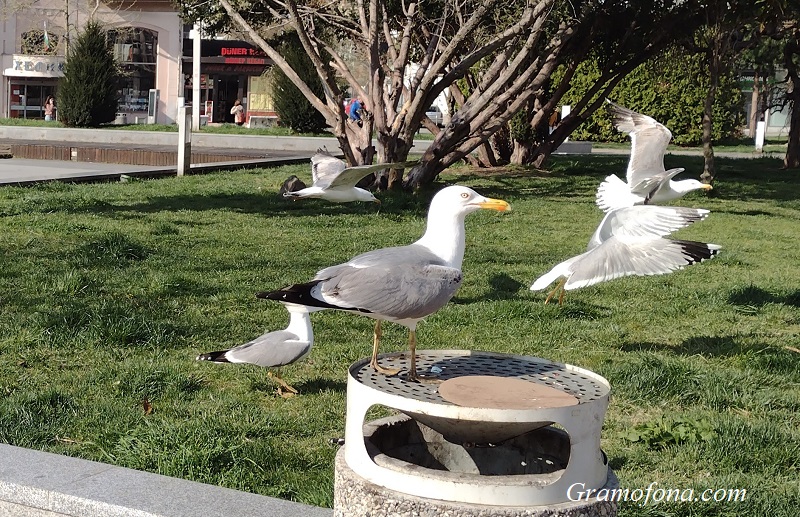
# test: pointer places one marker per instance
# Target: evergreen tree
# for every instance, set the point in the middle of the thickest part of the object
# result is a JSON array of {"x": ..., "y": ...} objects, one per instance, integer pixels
[
  {"x": 670, "y": 88},
  {"x": 294, "y": 110},
  {"x": 88, "y": 91}
]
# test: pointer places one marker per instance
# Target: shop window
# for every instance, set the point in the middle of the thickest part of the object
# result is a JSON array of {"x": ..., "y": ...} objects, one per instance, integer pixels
[
  {"x": 135, "y": 49},
  {"x": 39, "y": 42}
]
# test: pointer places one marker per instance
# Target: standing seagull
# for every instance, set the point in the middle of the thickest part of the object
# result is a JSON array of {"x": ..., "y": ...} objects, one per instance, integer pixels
[
  {"x": 273, "y": 349},
  {"x": 629, "y": 241},
  {"x": 334, "y": 181},
  {"x": 648, "y": 182},
  {"x": 400, "y": 284}
]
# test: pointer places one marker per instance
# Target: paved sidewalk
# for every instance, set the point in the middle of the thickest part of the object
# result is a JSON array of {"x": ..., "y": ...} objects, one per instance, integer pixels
[
  {"x": 19, "y": 171},
  {"x": 267, "y": 151}
]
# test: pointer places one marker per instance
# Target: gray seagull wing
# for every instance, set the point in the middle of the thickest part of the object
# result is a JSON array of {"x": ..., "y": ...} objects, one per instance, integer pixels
[
  {"x": 406, "y": 282},
  {"x": 277, "y": 348},
  {"x": 649, "y": 140}
]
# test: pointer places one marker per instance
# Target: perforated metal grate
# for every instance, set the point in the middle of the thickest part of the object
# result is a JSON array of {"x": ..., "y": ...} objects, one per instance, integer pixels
[{"x": 448, "y": 365}]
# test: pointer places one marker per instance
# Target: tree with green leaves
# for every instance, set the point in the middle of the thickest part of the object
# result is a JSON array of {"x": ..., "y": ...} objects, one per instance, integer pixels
[
  {"x": 672, "y": 88},
  {"x": 791, "y": 62},
  {"x": 494, "y": 59},
  {"x": 776, "y": 47},
  {"x": 88, "y": 91},
  {"x": 294, "y": 110}
]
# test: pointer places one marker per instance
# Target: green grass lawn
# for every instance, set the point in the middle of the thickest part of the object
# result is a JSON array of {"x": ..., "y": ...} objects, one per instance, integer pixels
[{"x": 109, "y": 291}]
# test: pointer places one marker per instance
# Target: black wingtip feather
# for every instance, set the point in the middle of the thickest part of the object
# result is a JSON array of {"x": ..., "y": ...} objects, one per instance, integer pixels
[
  {"x": 300, "y": 294},
  {"x": 696, "y": 252},
  {"x": 217, "y": 357}
]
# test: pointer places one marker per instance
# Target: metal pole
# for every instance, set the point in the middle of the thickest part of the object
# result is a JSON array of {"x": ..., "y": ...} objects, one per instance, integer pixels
[
  {"x": 184, "y": 141},
  {"x": 196, "y": 39}
]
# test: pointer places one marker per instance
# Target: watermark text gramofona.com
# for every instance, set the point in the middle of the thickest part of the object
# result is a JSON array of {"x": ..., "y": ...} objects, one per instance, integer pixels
[{"x": 655, "y": 494}]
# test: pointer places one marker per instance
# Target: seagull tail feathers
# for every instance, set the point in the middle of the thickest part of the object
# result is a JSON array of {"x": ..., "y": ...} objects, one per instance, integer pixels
[
  {"x": 216, "y": 357},
  {"x": 299, "y": 294},
  {"x": 297, "y": 194},
  {"x": 614, "y": 193},
  {"x": 546, "y": 279}
]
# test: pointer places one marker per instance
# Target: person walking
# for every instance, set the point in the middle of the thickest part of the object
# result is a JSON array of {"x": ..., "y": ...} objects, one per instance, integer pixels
[
  {"x": 238, "y": 112},
  {"x": 49, "y": 108}
]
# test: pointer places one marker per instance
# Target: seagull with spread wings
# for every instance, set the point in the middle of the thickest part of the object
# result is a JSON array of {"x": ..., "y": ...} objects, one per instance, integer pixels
[
  {"x": 334, "y": 181},
  {"x": 647, "y": 180},
  {"x": 630, "y": 241}
]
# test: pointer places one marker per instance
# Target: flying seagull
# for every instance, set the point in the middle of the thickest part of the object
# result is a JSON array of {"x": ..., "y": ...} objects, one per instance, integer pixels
[
  {"x": 334, "y": 181},
  {"x": 647, "y": 180},
  {"x": 273, "y": 349},
  {"x": 400, "y": 284},
  {"x": 630, "y": 241}
]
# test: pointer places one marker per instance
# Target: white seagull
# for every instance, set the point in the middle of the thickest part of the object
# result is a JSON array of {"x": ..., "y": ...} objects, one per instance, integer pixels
[
  {"x": 630, "y": 241},
  {"x": 400, "y": 284},
  {"x": 273, "y": 349},
  {"x": 647, "y": 180},
  {"x": 334, "y": 181}
]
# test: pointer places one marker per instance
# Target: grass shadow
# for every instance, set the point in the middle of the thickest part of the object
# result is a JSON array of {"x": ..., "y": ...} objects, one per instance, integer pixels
[
  {"x": 753, "y": 296},
  {"x": 580, "y": 310},
  {"x": 722, "y": 346},
  {"x": 501, "y": 287},
  {"x": 320, "y": 385},
  {"x": 759, "y": 353}
]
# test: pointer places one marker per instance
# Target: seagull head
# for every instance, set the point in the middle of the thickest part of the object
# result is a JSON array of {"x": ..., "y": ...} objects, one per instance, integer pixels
[
  {"x": 365, "y": 195},
  {"x": 463, "y": 200},
  {"x": 685, "y": 186},
  {"x": 444, "y": 235}
]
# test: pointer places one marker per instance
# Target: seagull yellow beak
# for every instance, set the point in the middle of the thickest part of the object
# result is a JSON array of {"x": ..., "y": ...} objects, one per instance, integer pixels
[
  {"x": 495, "y": 204},
  {"x": 707, "y": 186}
]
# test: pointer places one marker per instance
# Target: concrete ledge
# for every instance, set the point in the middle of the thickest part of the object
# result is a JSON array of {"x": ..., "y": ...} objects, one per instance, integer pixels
[
  {"x": 41, "y": 484},
  {"x": 30, "y": 172},
  {"x": 151, "y": 138},
  {"x": 574, "y": 148},
  {"x": 208, "y": 140}
]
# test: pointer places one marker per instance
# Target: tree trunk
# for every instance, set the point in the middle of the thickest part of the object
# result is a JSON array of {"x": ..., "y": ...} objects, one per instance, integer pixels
[
  {"x": 708, "y": 149},
  {"x": 792, "y": 158},
  {"x": 522, "y": 152},
  {"x": 792, "y": 49},
  {"x": 714, "y": 70},
  {"x": 755, "y": 108}
]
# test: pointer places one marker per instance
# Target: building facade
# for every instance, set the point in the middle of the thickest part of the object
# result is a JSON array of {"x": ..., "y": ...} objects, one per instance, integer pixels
[
  {"x": 229, "y": 70},
  {"x": 147, "y": 37}
]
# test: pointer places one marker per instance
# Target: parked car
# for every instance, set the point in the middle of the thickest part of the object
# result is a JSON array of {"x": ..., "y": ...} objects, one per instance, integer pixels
[{"x": 436, "y": 116}]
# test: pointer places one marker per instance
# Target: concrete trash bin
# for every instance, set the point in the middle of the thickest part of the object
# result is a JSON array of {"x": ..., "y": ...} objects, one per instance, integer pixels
[
  {"x": 121, "y": 119},
  {"x": 490, "y": 434}
]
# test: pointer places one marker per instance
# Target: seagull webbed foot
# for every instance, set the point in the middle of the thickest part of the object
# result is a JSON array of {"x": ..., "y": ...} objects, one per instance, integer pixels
[
  {"x": 559, "y": 287},
  {"x": 283, "y": 390},
  {"x": 383, "y": 370}
]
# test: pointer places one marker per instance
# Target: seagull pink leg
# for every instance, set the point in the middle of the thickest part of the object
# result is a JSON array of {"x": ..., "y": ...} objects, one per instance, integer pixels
[
  {"x": 559, "y": 287},
  {"x": 282, "y": 385},
  {"x": 376, "y": 343},
  {"x": 412, "y": 347}
]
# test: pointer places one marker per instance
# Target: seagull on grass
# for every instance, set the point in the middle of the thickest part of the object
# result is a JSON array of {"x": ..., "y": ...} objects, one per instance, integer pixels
[
  {"x": 630, "y": 241},
  {"x": 273, "y": 349},
  {"x": 334, "y": 181},
  {"x": 647, "y": 180},
  {"x": 401, "y": 284}
]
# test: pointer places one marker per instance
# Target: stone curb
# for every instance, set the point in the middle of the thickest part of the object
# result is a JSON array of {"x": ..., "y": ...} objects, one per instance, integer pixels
[{"x": 42, "y": 484}]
